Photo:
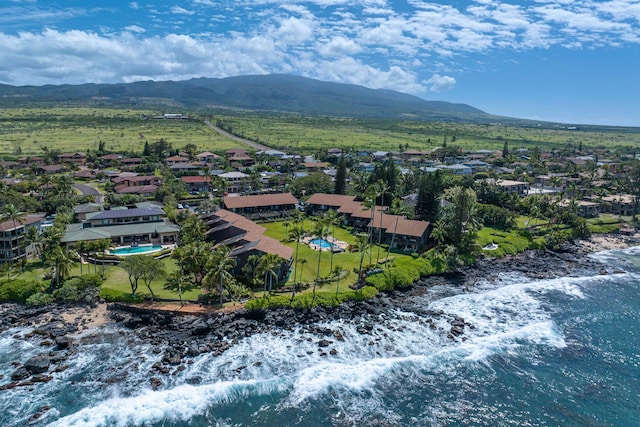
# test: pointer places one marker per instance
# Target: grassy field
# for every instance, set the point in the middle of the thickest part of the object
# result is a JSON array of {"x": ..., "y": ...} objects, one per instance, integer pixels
[
  {"x": 81, "y": 128},
  {"x": 312, "y": 133},
  {"x": 77, "y": 129}
]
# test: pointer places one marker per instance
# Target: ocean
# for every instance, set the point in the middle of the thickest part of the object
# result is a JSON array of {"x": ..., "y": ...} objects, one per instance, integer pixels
[{"x": 557, "y": 352}]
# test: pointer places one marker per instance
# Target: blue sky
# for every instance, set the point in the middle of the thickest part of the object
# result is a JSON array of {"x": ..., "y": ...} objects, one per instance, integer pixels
[{"x": 573, "y": 61}]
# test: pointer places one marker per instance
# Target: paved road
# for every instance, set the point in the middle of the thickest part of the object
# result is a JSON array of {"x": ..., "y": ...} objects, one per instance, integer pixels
[
  {"x": 89, "y": 190},
  {"x": 236, "y": 138}
]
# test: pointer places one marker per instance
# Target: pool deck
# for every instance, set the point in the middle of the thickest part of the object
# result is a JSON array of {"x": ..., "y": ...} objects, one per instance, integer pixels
[
  {"x": 338, "y": 245},
  {"x": 111, "y": 251}
]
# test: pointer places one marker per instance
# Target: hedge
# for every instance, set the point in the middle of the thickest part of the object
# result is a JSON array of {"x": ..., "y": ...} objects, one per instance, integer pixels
[
  {"x": 111, "y": 295},
  {"x": 308, "y": 300},
  {"x": 18, "y": 290}
]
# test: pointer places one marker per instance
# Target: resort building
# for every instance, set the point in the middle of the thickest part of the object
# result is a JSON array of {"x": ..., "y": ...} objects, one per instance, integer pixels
[
  {"x": 236, "y": 182},
  {"x": 125, "y": 226},
  {"x": 410, "y": 235},
  {"x": 262, "y": 203},
  {"x": 13, "y": 246},
  {"x": 622, "y": 204},
  {"x": 246, "y": 238}
]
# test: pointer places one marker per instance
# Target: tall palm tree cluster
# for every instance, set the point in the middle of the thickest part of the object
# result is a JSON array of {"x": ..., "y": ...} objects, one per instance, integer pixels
[{"x": 211, "y": 266}]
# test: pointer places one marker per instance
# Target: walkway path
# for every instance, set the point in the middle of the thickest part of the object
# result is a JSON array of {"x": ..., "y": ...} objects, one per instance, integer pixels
[
  {"x": 226, "y": 134},
  {"x": 86, "y": 189}
]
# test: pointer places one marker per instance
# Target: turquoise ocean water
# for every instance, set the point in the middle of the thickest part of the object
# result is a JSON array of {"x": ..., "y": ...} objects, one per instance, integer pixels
[{"x": 560, "y": 352}]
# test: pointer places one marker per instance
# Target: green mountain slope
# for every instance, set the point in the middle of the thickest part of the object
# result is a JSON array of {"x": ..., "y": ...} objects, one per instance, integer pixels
[{"x": 269, "y": 93}]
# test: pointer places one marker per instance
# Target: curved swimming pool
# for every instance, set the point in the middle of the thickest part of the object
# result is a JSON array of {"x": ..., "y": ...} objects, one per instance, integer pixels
[{"x": 129, "y": 250}]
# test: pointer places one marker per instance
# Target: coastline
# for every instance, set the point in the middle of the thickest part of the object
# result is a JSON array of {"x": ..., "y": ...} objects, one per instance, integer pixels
[{"x": 180, "y": 336}]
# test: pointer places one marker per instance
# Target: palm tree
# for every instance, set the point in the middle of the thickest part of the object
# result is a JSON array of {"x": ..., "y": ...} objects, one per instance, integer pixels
[
  {"x": 338, "y": 272},
  {"x": 268, "y": 266},
  {"x": 103, "y": 245},
  {"x": 219, "y": 263},
  {"x": 177, "y": 282},
  {"x": 370, "y": 204},
  {"x": 398, "y": 208},
  {"x": 439, "y": 233},
  {"x": 192, "y": 258},
  {"x": 296, "y": 232},
  {"x": 332, "y": 219},
  {"x": 61, "y": 263},
  {"x": 320, "y": 231},
  {"x": 81, "y": 248},
  {"x": 303, "y": 261},
  {"x": 363, "y": 242},
  {"x": 34, "y": 239},
  {"x": 13, "y": 214},
  {"x": 380, "y": 189},
  {"x": 192, "y": 230},
  {"x": 286, "y": 225}
]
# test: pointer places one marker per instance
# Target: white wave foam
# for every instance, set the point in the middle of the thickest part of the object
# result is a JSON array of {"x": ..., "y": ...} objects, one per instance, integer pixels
[{"x": 177, "y": 404}]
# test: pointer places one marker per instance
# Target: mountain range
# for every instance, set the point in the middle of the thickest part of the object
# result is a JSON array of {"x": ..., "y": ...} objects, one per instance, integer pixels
[{"x": 276, "y": 93}]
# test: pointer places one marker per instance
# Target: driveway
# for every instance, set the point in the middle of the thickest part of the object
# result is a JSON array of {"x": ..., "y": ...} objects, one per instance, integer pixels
[{"x": 89, "y": 190}]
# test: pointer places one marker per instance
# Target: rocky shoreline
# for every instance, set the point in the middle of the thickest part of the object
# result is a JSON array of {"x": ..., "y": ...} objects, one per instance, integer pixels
[{"x": 180, "y": 338}]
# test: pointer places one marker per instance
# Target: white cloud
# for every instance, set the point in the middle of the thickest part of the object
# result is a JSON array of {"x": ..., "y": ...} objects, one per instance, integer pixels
[
  {"x": 438, "y": 83},
  {"x": 339, "y": 46},
  {"x": 181, "y": 11},
  {"x": 294, "y": 30},
  {"x": 135, "y": 29}
]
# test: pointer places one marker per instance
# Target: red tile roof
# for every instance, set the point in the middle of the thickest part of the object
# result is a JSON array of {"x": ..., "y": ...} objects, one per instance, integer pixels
[
  {"x": 195, "y": 179},
  {"x": 335, "y": 200},
  {"x": 261, "y": 200}
]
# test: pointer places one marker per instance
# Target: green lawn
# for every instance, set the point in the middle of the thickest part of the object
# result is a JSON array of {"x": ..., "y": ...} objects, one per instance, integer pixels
[
  {"x": 509, "y": 242},
  {"x": 347, "y": 260},
  {"x": 116, "y": 279}
]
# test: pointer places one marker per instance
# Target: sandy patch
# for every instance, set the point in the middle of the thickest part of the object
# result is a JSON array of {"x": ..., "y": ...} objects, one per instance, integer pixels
[
  {"x": 602, "y": 242},
  {"x": 86, "y": 317}
]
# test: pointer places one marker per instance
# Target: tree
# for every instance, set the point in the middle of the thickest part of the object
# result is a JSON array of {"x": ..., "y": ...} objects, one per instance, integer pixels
[
  {"x": 192, "y": 230},
  {"x": 133, "y": 265},
  {"x": 13, "y": 214},
  {"x": 341, "y": 176},
  {"x": 61, "y": 262},
  {"x": 632, "y": 184},
  {"x": 363, "y": 242},
  {"x": 429, "y": 192},
  {"x": 381, "y": 188},
  {"x": 369, "y": 203},
  {"x": 152, "y": 269},
  {"x": 320, "y": 230},
  {"x": 399, "y": 209},
  {"x": 505, "y": 149},
  {"x": 296, "y": 232},
  {"x": 459, "y": 217},
  {"x": 302, "y": 263},
  {"x": 267, "y": 266},
  {"x": 332, "y": 220},
  {"x": 218, "y": 265},
  {"x": 338, "y": 273},
  {"x": 178, "y": 283},
  {"x": 102, "y": 245},
  {"x": 192, "y": 258}
]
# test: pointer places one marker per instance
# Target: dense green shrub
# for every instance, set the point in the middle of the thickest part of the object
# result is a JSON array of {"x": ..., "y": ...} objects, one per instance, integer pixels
[
  {"x": 18, "y": 290},
  {"x": 40, "y": 298},
  {"x": 308, "y": 300},
  {"x": 111, "y": 295},
  {"x": 83, "y": 288}
]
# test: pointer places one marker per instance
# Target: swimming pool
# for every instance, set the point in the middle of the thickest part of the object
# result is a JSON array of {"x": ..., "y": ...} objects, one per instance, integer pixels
[
  {"x": 322, "y": 243},
  {"x": 128, "y": 250}
]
